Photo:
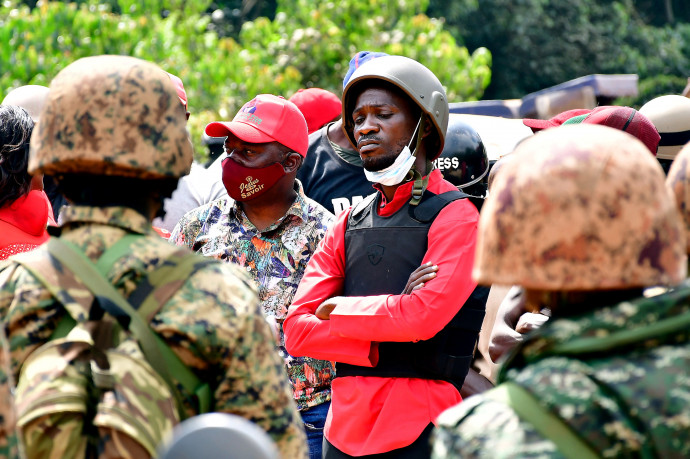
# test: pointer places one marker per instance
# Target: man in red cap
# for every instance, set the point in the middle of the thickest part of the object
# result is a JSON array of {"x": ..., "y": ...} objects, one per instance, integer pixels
[
  {"x": 270, "y": 228},
  {"x": 625, "y": 119},
  {"x": 181, "y": 93},
  {"x": 318, "y": 106},
  {"x": 622, "y": 118}
]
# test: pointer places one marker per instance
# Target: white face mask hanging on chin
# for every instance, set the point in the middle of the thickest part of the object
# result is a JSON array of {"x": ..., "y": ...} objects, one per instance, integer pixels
[{"x": 396, "y": 172}]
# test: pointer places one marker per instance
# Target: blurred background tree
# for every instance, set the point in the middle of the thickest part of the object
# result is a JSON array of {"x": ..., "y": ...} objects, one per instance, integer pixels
[
  {"x": 540, "y": 43},
  {"x": 302, "y": 43},
  {"x": 226, "y": 51}
]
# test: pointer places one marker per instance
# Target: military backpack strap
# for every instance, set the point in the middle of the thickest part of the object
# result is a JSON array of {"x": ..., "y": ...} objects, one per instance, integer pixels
[
  {"x": 163, "y": 282},
  {"x": 62, "y": 285},
  {"x": 153, "y": 293},
  {"x": 544, "y": 421},
  {"x": 153, "y": 347},
  {"x": 118, "y": 250},
  {"x": 604, "y": 344},
  {"x": 104, "y": 263}
]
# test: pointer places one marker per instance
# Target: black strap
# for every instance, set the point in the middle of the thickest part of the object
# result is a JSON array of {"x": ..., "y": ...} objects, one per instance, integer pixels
[
  {"x": 671, "y": 139},
  {"x": 432, "y": 204}
]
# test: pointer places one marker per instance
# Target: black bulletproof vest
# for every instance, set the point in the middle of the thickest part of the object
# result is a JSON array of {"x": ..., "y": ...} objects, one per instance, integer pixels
[{"x": 380, "y": 255}]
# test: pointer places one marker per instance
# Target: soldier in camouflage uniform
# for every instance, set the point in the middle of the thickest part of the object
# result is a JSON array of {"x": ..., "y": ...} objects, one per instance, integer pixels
[
  {"x": 582, "y": 220},
  {"x": 113, "y": 132}
]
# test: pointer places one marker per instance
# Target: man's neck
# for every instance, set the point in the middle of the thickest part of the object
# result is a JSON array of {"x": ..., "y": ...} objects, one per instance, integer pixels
[
  {"x": 337, "y": 136},
  {"x": 419, "y": 164},
  {"x": 269, "y": 208}
]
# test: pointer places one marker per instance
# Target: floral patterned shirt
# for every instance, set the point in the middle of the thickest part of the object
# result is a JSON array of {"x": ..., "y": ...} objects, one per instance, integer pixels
[{"x": 276, "y": 259}]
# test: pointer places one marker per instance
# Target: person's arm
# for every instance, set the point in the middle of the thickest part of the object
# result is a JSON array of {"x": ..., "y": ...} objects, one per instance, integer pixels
[
  {"x": 475, "y": 382},
  {"x": 425, "y": 311},
  {"x": 482, "y": 372},
  {"x": 306, "y": 334}
]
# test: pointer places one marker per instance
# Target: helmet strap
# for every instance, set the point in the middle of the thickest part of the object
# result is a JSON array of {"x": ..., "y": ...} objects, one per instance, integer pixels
[
  {"x": 421, "y": 124},
  {"x": 420, "y": 184}
]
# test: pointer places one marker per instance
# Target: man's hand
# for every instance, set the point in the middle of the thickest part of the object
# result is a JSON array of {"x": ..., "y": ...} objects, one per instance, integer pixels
[
  {"x": 530, "y": 321},
  {"x": 324, "y": 310},
  {"x": 512, "y": 320},
  {"x": 419, "y": 277}
]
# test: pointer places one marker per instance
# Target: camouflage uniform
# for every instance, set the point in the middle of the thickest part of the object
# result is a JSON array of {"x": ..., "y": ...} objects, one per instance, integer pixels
[
  {"x": 585, "y": 210},
  {"x": 129, "y": 122},
  {"x": 225, "y": 341},
  {"x": 8, "y": 437},
  {"x": 625, "y": 401}
]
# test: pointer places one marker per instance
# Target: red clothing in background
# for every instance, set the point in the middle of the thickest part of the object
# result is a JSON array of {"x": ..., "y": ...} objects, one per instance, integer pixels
[
  {"x": 371, "y": 415},
  {"x": 23, "y": 223}
]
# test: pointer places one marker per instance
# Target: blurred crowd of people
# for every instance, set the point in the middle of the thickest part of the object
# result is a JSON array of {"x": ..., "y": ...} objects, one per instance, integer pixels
[{"x": 356, "y": 276}]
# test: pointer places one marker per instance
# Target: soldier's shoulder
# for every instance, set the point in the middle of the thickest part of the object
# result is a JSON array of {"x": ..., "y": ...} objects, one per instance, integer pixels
[
  {"x": 225, "y": 282},
  {"x": 14, "y": 268},
  {"x": 480, "y": 427}
]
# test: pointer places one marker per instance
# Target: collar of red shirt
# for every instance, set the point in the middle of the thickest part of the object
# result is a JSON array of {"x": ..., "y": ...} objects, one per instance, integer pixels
[{"x": 403, "y": 194}]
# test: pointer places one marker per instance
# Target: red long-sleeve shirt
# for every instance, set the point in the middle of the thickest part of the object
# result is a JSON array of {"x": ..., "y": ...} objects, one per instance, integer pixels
[{"x": 371, "y": 415}]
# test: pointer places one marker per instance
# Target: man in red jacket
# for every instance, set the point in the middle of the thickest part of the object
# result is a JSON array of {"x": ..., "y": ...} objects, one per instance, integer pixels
[{"x": 402, "y": 348}]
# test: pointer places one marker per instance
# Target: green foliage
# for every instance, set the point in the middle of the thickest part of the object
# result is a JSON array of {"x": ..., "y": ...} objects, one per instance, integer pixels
[
  {"x": 318, "y": 38},
  {"x": 653, "y": 87},
  {"x": 539, "y": 43},
  {"x": 309, "y": 43},
  {"x": 227, "y": 16}
]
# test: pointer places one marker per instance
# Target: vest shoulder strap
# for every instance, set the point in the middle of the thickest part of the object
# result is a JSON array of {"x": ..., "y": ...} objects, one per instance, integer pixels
[
  {"x": 358, "y": 209},
  {"x": 550, "y": 426},
  {"x": 430, "y": 206}
]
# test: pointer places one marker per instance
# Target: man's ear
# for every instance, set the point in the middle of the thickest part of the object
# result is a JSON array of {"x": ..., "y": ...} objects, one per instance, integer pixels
[
  {"x": 292, "y": 162},
  {"x": 427, "y": 127}
]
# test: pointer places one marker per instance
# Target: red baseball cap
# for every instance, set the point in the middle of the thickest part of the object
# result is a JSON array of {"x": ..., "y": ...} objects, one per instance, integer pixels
[
  {"x": 317, "y": 105},
  {"x": 624, "y": 119},
  {"x": 538, "y": 125},
  {"x": 266, "y": 118},
  {"x": 179, "y": 87}
]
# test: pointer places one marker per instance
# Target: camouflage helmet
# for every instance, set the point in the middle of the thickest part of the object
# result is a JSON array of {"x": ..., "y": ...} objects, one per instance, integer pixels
[
  {"x": 678, "y": 180},
  {"x": 112, "y": 115},
  {"x": 671, "y": 117},
  {"x": 415, "y": 80},
  {"x": 463, "y": 161},
  {"x": 580, "y": 207}
]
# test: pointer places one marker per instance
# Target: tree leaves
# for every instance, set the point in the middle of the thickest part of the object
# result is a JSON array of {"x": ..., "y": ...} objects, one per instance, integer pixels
[{"x": 308, "y": 43}]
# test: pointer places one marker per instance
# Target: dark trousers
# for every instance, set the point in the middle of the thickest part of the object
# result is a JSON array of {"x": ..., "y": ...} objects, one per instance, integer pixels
[{"x": 420, "y": 449}]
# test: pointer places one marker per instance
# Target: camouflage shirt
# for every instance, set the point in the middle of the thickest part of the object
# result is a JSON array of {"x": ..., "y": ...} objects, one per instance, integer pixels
[
  {"x": 213, "y": 322},
  {"x": 275, "y": 258},
  {"x": 618, "y": 376},
  {"x": 8, "y": 437}
]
